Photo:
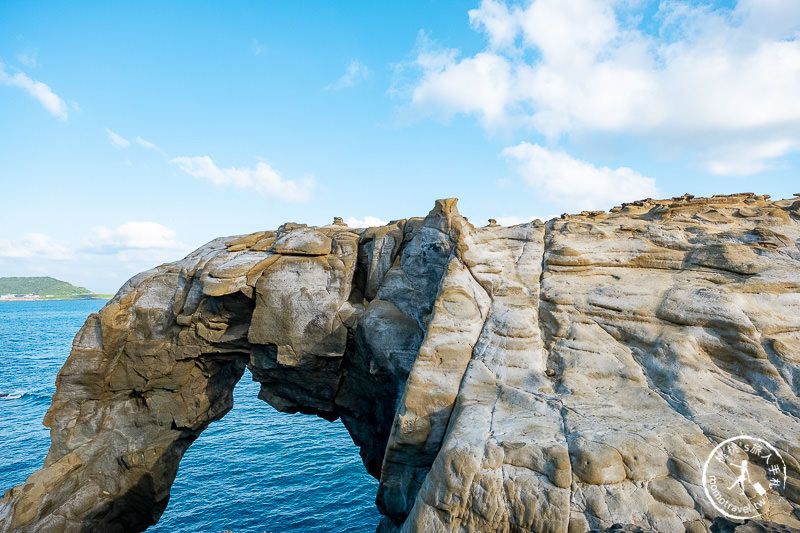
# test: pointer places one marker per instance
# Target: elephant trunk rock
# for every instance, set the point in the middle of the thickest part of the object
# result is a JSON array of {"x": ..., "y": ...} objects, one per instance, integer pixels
[{"x": 555, "y": 377}]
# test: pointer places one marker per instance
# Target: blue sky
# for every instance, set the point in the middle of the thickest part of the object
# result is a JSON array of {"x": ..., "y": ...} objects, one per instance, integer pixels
[{"x": 131, "y": 134}]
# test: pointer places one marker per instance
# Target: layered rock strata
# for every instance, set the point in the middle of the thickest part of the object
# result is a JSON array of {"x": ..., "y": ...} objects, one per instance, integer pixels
[{"x": 556, "y": 377}]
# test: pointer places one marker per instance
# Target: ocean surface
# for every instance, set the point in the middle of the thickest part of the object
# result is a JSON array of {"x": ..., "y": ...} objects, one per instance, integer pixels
[{"x": 256, "y": 470}]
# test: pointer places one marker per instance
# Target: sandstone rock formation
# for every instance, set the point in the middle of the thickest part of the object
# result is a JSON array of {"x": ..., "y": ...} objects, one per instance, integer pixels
[{"x": 556, "y": 377}]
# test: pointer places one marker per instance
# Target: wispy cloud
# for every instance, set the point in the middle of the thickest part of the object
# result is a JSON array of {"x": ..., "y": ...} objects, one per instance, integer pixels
[
  {"x": 117, "y": 140},
  {"x": 258, "y": 48},
  {"x": 34, "y": 245},
  {"x": 748, "y": 156},
  {"x": 262, "y": 179},
  {"x": 99, "y": 240},
  {"x": 132, "y": 236},
  {"x": 101, "y": 259},
  {"x": 703, "y": 82},
  {"x": 147, "y": 144},
  {"x": 121, "y": 142},
  {"x": 563, "y": 179},
  {"x": 29, "y": 59},
  {"x": 52, "y": 103},
  {"x": 356, "y": 73}
]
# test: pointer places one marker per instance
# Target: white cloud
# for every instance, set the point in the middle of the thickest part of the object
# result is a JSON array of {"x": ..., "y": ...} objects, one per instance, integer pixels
[
  {"x": 366, "y": 222},
  {"x": 147, "y": 144},
  {"x": 132, "y": 236},
  {"x": 500, "y": 24},
  {"x": 49, "y": 100},
  {"x": 29, "y": 59},
  {"x": 117, "y": 140},
  {"x": 101, "y": 260},
  {"x": 262, "y": 179},
  {"x": 34, "y": 246},
  {"x": 564, "y": 179},
  {"x": 480, "y": 85},
  {"x": 748, "y": 157},
  {"x": 702, "y": 82},
  {"x": 121, "y": 142},
  {"x": 356, "y": 73}
]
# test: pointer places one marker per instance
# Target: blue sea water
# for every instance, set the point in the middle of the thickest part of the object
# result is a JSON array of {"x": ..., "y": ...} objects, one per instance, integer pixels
[{"x": 255, "y": 470}]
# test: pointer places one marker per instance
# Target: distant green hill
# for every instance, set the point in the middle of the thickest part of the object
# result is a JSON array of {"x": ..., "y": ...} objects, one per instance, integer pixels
[{"x": 44, "y": 287}]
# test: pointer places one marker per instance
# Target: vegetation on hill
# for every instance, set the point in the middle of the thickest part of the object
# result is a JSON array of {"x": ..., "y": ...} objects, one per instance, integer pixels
[{"x": 44, "y": 287}]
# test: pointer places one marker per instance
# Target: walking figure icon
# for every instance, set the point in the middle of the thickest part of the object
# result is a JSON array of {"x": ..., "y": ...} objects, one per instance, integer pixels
[
  {"x": 744, "y": 475},
  {"x": 759, "y": 472}
]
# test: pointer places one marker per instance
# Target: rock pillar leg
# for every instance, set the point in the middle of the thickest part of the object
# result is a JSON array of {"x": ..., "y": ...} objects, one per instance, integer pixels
[{"x": 135, "y": 392}]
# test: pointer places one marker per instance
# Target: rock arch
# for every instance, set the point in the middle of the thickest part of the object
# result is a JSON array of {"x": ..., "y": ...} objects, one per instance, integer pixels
[
  {"x": 543, "y": 377},
  {"x": 158, "y": 364}
]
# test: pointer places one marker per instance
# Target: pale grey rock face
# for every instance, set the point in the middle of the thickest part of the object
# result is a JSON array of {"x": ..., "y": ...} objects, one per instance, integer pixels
[{"x": 560, "y": 377}]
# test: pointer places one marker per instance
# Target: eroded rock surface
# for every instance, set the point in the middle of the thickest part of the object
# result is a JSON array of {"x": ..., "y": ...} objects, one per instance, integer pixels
[{"x": 559, "y": 377}]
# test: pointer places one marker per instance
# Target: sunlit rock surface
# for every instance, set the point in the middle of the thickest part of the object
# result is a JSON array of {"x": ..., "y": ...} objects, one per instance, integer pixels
[{"x": 556, "y": 377}]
